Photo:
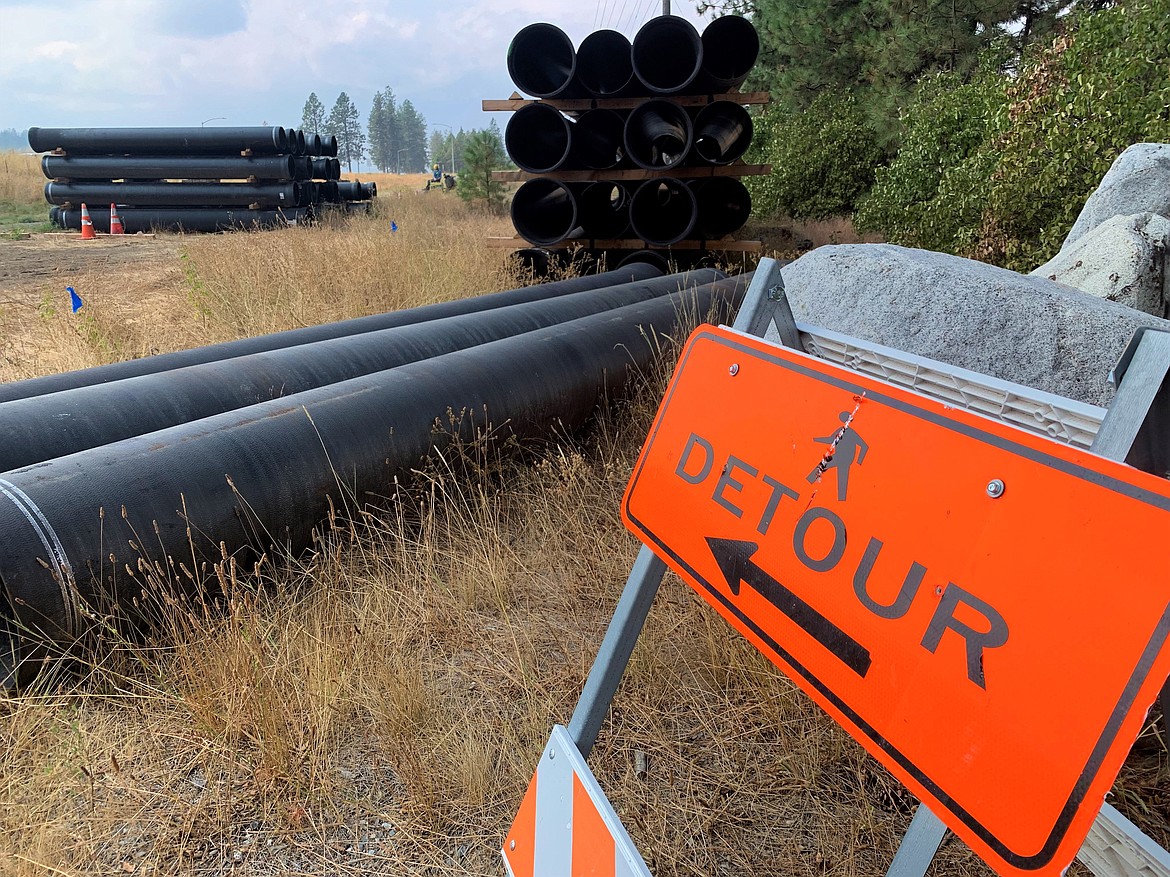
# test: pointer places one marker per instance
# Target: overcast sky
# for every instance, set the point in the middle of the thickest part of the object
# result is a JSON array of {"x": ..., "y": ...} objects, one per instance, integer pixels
[{"x": 97, "y": 63}]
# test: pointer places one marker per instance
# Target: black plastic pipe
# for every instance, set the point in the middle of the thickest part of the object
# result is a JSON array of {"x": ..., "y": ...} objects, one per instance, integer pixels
[
  {"x": 54, "y": 425},
  {"x": 667, "y": 54},
  {"x": 724, "y": 205},
  {"x": 325, "y": 168},
  {"x": 722, "y": 132},
  {"x": 658, "y": 135},
  {"x": 175, "y": 194},
  {"x": 542, "y": 62},
  {"x": 202, "y": 219},
  {"x": 169, "y": 167},
  {"x": 663, "y": 212},
  {"x": 538, "y": 138},
  {"x": 603, "y": 209},
  {"x": 297, "y": 144},
  {"x": 159, "y": 141},
  {"x": 730, "y": 48},
  {"x": 310, "y": 334},
  {"x": 85, "y": 532},
  {"x": 355, "y": 190},
  {"x": 645, "y": 257},
  {"x": 544, "y": 212},
  {"x": 604, "y": 68},
  {"x": 597, "y": 139},
  {"x": 314, "y": 143}
]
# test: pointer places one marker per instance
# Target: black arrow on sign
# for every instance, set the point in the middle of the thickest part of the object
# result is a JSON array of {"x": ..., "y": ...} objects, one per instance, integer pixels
[{"x": 736, "y": 564}]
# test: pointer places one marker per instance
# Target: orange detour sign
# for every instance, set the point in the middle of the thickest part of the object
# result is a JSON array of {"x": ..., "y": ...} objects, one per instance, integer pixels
[
  {"x": 985, "y": 610},
  {"x": 565, "y": 825}
]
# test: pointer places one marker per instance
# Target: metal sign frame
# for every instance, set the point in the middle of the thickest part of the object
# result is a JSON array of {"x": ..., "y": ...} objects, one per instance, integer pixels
[{"x": 1135, "y": 430}]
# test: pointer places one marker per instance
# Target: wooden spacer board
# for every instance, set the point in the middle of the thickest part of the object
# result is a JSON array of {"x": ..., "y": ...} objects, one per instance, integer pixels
[
  {"x": 582, "y": 105},
  {"x": 638, "y": 174},
  {"x": 516, "y": 242}
]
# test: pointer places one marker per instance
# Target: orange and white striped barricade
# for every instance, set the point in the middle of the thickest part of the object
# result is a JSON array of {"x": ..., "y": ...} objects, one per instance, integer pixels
[
  {"x": 565, "y": 825},
  {"x": 708, "y": 503}
]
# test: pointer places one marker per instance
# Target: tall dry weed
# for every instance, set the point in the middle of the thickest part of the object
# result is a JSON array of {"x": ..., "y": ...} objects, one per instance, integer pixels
[
  {"x": 21, "y": 181},
  {"x": 258, "y": 283}
]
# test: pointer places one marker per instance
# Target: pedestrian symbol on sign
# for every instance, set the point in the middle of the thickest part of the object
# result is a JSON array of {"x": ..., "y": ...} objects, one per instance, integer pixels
[{"x": 844, "y": 445}]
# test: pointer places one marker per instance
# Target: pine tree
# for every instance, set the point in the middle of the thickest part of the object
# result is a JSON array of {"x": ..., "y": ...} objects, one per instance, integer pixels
[
  {"x": 313, "y": 115},
  {"x": 383, "y": 131},
  {"x": 878, "y": 49},
  {"x": 484, "y": 153},
  {"x": 376, "y": 130},
  {"x": 344, "y": 124},
  {"x": 412, "y": 131}
]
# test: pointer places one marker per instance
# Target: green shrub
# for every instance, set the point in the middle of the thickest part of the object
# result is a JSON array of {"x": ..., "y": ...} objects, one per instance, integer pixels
[
  {"x": 823, "y": 159},
  {"x": 932, "y": 194},
  {"x": 1099, "y": 88}
]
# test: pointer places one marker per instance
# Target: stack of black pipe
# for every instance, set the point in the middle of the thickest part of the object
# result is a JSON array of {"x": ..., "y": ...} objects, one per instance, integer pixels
[
  {"x": 661, "y": 134},
  {"x": 193, "y": 179},
  {"x": 119, "y": 484}
]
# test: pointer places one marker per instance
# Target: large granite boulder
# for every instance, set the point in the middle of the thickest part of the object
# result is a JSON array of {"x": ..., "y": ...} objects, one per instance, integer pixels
[
  {"x": 1030, "y": 330},
  {"x": 1138, "y": 182},
  {"x": 1122, "y": 259}
]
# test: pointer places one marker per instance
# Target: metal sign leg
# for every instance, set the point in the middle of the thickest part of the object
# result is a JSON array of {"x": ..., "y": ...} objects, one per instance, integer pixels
[
  {"x": 920, "y": 843},
  {"x": 614, "y": 654},
  {"x": 765, "y": 303}
]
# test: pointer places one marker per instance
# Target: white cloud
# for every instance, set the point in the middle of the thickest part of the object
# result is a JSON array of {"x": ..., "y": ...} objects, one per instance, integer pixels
[
  {"x": 55, "y": 49},
  {"x": 169, "y": 62}
]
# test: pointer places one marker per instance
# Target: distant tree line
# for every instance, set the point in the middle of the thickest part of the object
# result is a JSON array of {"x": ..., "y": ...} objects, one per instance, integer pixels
[
  {"x": 12, "y": 139},
  {"x": 395, "y": 137}
]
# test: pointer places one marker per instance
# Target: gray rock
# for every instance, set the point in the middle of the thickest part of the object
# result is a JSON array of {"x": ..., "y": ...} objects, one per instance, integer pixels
[
  {"x": 1025, "y": 329},
  {"x": 1138, "y": 182},
  {"x": 1123, "y": 259}
]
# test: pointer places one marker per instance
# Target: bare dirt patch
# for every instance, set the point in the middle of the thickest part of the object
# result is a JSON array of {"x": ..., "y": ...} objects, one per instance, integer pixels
[{"x": 134, "y": 294}]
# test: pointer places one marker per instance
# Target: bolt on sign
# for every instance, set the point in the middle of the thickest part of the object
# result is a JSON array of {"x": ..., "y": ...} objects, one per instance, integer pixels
[{"x": 982, "y": 608}]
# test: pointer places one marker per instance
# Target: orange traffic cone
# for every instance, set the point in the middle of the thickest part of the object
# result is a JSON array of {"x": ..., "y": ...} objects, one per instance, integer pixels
[
  {"x": 86, "y": 225},
  {"x": 116, "y": 226}
]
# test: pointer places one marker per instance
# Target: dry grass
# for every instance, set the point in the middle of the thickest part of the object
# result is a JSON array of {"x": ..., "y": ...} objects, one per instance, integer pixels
[
  {"x": 22, "y": 203},
  {"x": 21, "y": 180},
  {"x": 377, "y": 706},
  {"x": 258, "y": 283}
]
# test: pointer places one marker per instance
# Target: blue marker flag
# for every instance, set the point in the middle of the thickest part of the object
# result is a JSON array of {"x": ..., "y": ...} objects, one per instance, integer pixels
[
  {"x": 393, "y": 226},
  {"x": 74, "y": 299}
]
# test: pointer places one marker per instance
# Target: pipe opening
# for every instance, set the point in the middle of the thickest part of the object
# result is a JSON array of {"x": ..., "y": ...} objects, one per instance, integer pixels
[
  {"x": 663, "y": 212},
  {"x": 597, "y": 139},
  {"x": 544, "y": 212},
  {"x": 658, "y": 135},
  {"x": 541, "y": 60},
  {"x": 730, "y": 48},
  {"x": 724, "y": 205},
  {"x": 723, "y": 132},
  {"x": 538, "y": 138},
  {"x": 604, "y": 210},
  {"x": 604, "y": 66},
  {"x": 646, "y": 257},
  {"x": 667, "y": 54}
]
